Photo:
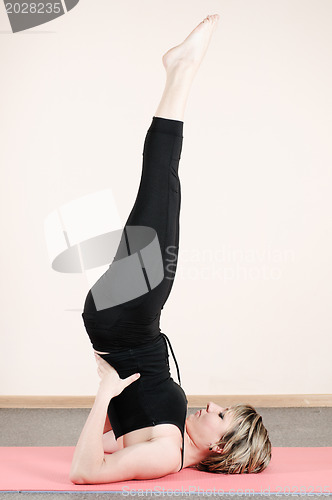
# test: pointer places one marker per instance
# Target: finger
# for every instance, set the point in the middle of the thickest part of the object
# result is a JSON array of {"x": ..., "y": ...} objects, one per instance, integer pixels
[
  {"x": 97, "y": 356},
  {"x": 100, "y": 359},
  {"x": 132, "y": 378}
]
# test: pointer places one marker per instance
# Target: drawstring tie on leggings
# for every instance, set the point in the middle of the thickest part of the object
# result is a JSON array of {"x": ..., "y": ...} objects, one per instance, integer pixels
[{"x": 176, "y": 364}]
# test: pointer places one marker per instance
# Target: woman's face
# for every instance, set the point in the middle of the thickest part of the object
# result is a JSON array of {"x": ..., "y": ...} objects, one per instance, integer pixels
[{"x": 210, "y": 424}]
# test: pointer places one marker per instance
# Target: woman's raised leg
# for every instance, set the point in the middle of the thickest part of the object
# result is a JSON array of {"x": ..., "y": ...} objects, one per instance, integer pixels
[
  {"x": 157, "y": 205},
  {"x": 159, "y": 197}
]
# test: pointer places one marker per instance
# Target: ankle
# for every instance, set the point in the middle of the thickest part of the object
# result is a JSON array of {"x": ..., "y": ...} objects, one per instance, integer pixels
[{"x": 180, "y": 76}]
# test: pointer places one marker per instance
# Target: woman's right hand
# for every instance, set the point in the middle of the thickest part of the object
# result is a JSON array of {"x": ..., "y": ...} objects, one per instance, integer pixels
[{"x": 110, "y": 380}]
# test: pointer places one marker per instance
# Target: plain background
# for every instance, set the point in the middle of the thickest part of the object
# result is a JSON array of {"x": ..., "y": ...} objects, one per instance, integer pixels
[{"x": 250, "y": 310}]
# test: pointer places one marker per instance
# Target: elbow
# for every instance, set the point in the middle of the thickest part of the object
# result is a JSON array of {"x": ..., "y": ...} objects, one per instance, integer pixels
[
  {"x": 77, "y": 478},
  {"x": 81, "y": 476}
]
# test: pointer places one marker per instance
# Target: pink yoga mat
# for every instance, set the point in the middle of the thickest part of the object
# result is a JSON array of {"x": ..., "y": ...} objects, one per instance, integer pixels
[{"x": 291, "y": 470}]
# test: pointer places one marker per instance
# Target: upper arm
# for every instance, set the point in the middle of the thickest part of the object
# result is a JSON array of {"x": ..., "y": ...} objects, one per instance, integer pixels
[
  {"x": 146, "y": 460},
  {"x": 110, "y": 444},
  {"x": 107, "y": 426}
]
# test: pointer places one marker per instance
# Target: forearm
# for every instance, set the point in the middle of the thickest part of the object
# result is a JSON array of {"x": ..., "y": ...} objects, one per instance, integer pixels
[{"x": 89, "y": 451}]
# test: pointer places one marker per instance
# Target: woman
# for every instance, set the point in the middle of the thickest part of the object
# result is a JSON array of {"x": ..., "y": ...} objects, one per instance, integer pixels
[{"x": 137, "y": 428}]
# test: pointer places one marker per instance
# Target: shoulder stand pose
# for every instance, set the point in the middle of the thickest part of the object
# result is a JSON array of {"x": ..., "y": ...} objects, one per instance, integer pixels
[{"x": 138, "y": 426}]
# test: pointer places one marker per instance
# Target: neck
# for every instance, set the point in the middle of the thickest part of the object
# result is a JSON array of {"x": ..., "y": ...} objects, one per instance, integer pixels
[{"x": 192, "y": 452}]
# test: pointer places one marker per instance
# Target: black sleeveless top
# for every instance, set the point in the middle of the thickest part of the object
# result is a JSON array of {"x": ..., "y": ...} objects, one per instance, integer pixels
[{"x": 155, "y": 398}]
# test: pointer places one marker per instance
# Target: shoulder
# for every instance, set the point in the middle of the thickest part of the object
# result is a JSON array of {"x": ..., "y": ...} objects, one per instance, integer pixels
[{"x": 148, "y": 460}]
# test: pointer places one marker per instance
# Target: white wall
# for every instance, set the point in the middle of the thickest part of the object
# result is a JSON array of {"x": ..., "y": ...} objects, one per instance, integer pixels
[{"x": 250, "y": 308}]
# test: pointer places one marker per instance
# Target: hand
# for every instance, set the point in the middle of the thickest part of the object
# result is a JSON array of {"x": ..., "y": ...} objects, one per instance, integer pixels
[{"x": 110, "y": 380}]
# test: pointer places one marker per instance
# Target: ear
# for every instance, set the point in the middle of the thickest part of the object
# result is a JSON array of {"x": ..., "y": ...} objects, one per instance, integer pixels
[{"x": 216, "y": 449}]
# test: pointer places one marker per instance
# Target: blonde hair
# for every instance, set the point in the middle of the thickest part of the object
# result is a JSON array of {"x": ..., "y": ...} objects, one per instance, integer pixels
[{"x": 246, "y": 445}]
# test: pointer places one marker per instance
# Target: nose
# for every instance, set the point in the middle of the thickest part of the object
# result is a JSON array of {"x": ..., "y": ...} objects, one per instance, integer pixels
[{"x": 211, "y": 406}]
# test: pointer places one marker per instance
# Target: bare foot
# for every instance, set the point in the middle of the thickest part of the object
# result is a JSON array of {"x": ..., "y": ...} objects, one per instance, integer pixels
[{"x": 192, "y": 50}]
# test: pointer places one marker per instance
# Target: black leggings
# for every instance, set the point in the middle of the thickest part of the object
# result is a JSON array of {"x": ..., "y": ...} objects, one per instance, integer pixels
[{"x": 136, "y": 321}]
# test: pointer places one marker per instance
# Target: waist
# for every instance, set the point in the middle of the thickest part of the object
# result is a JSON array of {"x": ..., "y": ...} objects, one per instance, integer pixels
[
  {"x": 122, "y": 335},
  {"x": 152, "y": 352}
]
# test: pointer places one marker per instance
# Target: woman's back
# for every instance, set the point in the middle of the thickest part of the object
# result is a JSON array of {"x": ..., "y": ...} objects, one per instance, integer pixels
[{"x": 155, "y": 406}]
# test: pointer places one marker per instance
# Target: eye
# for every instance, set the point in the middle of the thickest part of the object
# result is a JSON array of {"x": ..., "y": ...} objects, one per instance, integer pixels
[{"x": 221, "y": 415}]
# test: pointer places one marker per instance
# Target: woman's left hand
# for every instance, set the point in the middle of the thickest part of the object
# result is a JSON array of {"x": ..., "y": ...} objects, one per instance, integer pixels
[{"x": 110, "y": 381}]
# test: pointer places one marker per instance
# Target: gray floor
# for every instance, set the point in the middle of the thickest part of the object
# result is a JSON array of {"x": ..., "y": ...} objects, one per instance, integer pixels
[{"x": 62, "y": 427}]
